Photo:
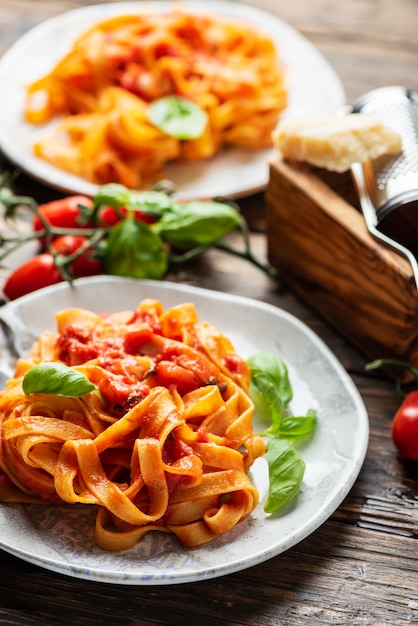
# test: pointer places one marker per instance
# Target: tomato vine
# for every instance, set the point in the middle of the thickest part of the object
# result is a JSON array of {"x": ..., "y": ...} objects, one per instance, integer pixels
[{"x": 137, "y": 234}]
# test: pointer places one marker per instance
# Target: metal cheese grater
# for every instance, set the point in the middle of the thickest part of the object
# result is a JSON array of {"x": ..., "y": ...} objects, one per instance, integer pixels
[{"x": 388, "y": 186}]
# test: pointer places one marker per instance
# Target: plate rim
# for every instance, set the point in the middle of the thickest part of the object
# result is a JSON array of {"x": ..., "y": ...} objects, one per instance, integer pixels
[
  {"x": 238, "y": 564},
  {"x": 68, "y": 183}
]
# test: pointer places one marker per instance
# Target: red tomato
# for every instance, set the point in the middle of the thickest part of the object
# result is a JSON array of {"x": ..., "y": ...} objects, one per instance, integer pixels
[
  {"x": 33, "y": 274},
  {"x": 108, "y": 216},
  {"x": 84, "y": 265},
  {"x": 63, "y": 213},
  {"x": 405, "y": 427}
]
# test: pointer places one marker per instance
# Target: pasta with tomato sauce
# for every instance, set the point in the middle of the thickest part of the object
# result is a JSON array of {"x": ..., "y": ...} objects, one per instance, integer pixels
[
  {"x": 101, "y": 89},
  {"x": 163, "y": 443}
]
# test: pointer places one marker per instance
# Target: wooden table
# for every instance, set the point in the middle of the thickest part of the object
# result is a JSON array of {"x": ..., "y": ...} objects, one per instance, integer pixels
[{"x": 361, "y": 566}]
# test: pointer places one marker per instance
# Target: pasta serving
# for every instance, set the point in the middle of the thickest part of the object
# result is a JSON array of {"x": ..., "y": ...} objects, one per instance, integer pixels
[
  {"x": 102, "y": 87},
  {"x": 163, "y": 443}
]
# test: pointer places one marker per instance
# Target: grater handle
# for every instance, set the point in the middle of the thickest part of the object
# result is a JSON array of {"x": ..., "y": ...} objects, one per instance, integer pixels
[{"x": 370, "y": 217}]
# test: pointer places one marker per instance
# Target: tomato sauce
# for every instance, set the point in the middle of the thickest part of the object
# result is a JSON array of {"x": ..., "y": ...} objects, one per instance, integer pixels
[{"x": 135, "y": 358}]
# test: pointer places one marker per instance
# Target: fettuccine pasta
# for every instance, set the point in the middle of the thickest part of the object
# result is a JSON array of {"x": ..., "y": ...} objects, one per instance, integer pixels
[
  {"x": 102, "y": 88},
  {"x": 164, "y": 445}
]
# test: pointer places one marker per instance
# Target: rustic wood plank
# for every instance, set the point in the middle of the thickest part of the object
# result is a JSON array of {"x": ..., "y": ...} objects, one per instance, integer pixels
[
  {"x": 361, "y": 566},
  {"x": 335, "y": 576},
  {"x": 369, "y": 44}
]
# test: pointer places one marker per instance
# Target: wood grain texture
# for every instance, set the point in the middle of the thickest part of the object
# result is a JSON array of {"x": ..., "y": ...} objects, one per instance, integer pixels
[
  {"x": 369, "y": 44},
  {"x": 321, "y": 245},
  {"x": 361, "y": 567}
]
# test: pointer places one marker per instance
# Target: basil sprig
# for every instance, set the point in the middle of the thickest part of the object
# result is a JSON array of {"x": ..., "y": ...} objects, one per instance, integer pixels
[
  {"x": 56, "y": 379},
  {"x": 178, "y": 117},
  {"x": 271, "y": 387},
  {"x": 153, "y": 203},
  {"x": 133, "y": 249},
  {"x": 176, "y": 232},
  {"x": 197, "y": 224}
]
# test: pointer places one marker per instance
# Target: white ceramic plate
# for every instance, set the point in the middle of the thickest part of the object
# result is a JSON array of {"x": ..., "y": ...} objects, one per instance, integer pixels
[
  {"x": 313, "y": 88},
  {"x": 60, "y": 538}
]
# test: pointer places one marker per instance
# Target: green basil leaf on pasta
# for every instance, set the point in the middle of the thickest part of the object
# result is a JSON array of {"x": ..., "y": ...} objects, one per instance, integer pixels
[
  {"x": 56, "y": 379},
  {"x": 178, "y": 117}
]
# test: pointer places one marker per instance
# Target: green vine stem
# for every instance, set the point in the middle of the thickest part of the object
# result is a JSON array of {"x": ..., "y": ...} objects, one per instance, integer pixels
[{"x": 95, "y": 236}]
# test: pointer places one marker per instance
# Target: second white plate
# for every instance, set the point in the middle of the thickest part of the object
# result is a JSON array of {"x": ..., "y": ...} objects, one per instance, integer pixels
[{"x": 313, "y": 88}]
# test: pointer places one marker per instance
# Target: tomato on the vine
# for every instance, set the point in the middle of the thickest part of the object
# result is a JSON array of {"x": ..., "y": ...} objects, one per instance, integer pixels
[
  {"x": 109, "y": 216},
  {"x": 405, "y": 423},
  {"x": 84, "y": 265},
  {"x": 33, "y": 274},
  {"x": 63, "y": 213},
  {"x": 405, "y": 427}
]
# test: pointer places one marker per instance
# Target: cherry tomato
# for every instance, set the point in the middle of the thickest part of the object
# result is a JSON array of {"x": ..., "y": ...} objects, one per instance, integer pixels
[
  {"x": 405, "y": 427},
  {"x": 405, "y": 422},
  {"x": 85, "y": 265},
  {"x": 63, "y": 213},
  {"x": 33, "y": 274},
  {"x": 108, "y": 216}
]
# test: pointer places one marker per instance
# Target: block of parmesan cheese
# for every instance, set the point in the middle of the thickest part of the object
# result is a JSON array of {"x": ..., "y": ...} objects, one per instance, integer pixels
[{"x": 335, "y": 143}]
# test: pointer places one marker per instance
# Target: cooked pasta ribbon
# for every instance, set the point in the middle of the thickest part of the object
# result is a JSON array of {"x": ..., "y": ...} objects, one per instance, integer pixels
[
  {"x": 165, "y": 446},
  {"x": 100, "y": 91}
]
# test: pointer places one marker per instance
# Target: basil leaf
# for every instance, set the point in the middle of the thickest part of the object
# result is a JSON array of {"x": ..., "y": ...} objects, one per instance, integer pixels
[
  {"x": 113, "y": 194},
  {"x": 270, "y": 364},
  {"x": 286, "y": 469},
  {"x": 134, "y": 250},
  {"x": 178, "y": 117},
  {"x": 267, "y": 388},
  {"x": 56, "y": 379},
  {"x": 151, "y": 202},
  {"x": 272, "y": 392},
  {"x": 293, "y": 427},
  {"x": 198, "y": 224},
  {"x": 118, "y": 196}
]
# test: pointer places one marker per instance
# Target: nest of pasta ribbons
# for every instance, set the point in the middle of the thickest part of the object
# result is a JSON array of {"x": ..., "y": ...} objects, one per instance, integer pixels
[
  {"x": 164, "y": 440},
  {"x": 137, "y": 91}
]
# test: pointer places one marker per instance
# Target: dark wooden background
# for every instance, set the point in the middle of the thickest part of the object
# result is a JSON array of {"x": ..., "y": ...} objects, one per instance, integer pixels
[{"x": 361, "y": 566}]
